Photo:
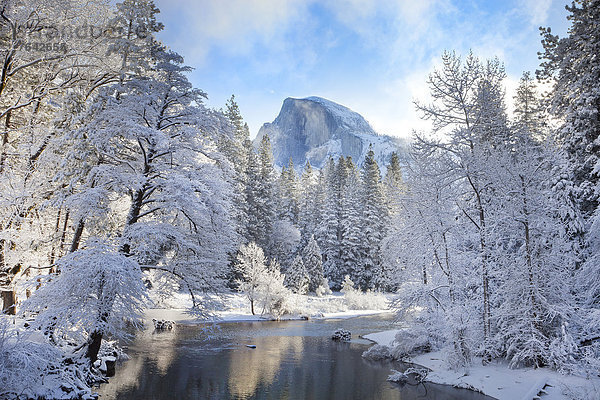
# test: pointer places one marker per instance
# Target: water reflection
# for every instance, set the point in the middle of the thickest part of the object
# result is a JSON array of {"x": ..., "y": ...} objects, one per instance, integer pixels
[
  {"x": 251, "y": 368},
  {"x": 292, "y": 360}
]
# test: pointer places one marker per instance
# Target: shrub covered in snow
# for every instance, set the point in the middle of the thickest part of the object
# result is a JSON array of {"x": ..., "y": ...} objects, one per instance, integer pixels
[
  {"x": 323, "y": 289},
  {"x": 357, "y": 300},
  {"x": 409, "y": 341},
  {"x": 398, "y": 377},
  {"x": 402, "y": 377},
  {"x": 31, "y": 368},
  {"x": 272, "y": 294},
  {"x": 377, "y": 352},
  {"x": 341, "y": 335}
]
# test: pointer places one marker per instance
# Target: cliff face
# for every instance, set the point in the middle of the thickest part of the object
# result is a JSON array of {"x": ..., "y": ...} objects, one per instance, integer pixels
[{"x": 313, "y": 129}]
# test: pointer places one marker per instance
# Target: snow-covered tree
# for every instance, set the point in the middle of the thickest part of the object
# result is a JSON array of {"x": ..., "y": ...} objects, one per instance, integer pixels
[
  {"x": 99, "y": 291},
  {"x": 328, "y": 230},
  {"x": 568, "y": 64},
  {"x": 272, "y": 293},
  {"x": 234, "y": 148},
  {"x": 253, "y": 267},
  {"x": 261, "y": 282},
  {"x": 297, "y": 278},
  {"x": 469, "y": 106},
  {"x": 373, "y": 223},
  {"x": 36, "y": 88},
  {"x": 260, "y": 193},
  {"x": 309, "y": 202},
  {"x": 313, "y": 263},
  {"x": 285, "y": 241},
  {"x": 352, "y": 234}
]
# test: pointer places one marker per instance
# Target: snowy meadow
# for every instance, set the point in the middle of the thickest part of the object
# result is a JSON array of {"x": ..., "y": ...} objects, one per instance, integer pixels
[{"x": 127, "y": 203}]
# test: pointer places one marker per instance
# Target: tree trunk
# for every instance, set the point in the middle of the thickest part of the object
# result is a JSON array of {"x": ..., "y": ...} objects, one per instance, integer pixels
[
  {"x": 4, "y": 141},
  {"x": 252, "y": 306},
  {"x": 53, "y": 252},
  {"x": 77, "y": 236},
  {"x": 528, "y": 255},
  {"x": 94, "y": 343},
  {"x": 9, "y": 302}
]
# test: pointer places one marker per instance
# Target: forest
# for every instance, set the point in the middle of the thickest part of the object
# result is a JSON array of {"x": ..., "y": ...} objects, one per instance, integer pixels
[{"x": 116, "y": 179}]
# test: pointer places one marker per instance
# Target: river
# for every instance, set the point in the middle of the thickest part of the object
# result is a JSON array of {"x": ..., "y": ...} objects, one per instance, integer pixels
[{"x": 292, "y": 360}]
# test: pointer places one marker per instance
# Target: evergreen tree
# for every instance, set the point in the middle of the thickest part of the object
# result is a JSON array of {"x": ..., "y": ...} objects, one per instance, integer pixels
[
  {"x": 265, "y": 201},
  {"x": 328, "y": 230},
  {"x": 311, "y": 256},
  {"x": 297, "y": 278},
  {"x": 234, "y": 148},
  {"x": 352, "y": 235},
  {"x": 394, "y": 187},
  {"x": 288, "y": 194},
  {"x": 570, "y": 65},
  {"x": 373, "y": 223},
  {"x": 529, "y": 113},
  {"x": 310, "y": 209}
]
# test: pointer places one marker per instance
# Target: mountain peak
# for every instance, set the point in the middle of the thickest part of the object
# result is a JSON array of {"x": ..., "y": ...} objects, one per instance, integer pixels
[{"x": 313, "y": 129}]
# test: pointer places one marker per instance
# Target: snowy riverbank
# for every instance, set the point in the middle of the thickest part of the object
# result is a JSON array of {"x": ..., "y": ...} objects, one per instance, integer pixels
[
  {"x": 497, "y": 380},
  {"x": 235, "y": 308}
]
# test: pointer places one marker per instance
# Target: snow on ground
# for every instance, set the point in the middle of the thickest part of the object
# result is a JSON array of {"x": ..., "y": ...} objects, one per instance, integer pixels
[
  {"x": 385, "y": 338},
  {"x": 235, "y": 308},
  {"x": 499, "y": 381}
]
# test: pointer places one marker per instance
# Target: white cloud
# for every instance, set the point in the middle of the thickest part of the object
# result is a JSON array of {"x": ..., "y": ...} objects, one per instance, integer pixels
[
  {"x": 234, "y": 26},
  {"x": 536, "y": 10}
]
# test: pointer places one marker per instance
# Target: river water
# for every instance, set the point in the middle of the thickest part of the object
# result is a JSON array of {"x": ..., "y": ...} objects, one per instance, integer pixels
[{"x": 292, "y": 360}]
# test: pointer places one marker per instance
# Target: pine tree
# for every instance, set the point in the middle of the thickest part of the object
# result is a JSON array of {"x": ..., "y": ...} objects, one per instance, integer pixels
[
  {"x": 252, "y": 190},
  {"x": 311, "y": 256},
  {"x": 529, "y": 113},
  {"x": 233, "y": 146},
  {"x": 394, "y": 186},
  {"x": 373, "y": 223},
  {"x": 297, "y": 278},
  {"x": 309, "y": 209},
  {"x": 328, "y": 231},
  {"x": 570, "y": 66},
  {"x": 352, "y": 235},
  {"x": 288, "y": 194},
  {"x": 265, "y": 201}
]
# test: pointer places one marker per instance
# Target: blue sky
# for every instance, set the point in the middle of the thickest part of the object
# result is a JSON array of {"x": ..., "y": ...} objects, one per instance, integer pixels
[{"x": 371, "y": 56}]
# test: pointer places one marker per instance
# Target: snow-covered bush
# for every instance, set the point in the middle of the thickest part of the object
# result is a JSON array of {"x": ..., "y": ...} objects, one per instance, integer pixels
[
  {"x": 262, "y": 283},
  {"x": 31, "y": 368},
  {"x": 347, "y": 285},
  {"x": 323, "y": 289},
  {"x": 357, "y": 300},
  {"x": 412, "y": 340},
  {"x": 398, "y": 377},
  {"x": 377, "y": 352},
  {"x": 21, "y": 362},
  {"x": 341, "y": 335},
  {"x": 272, "y": 294},
  {"x": 563, "y": 352}
]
